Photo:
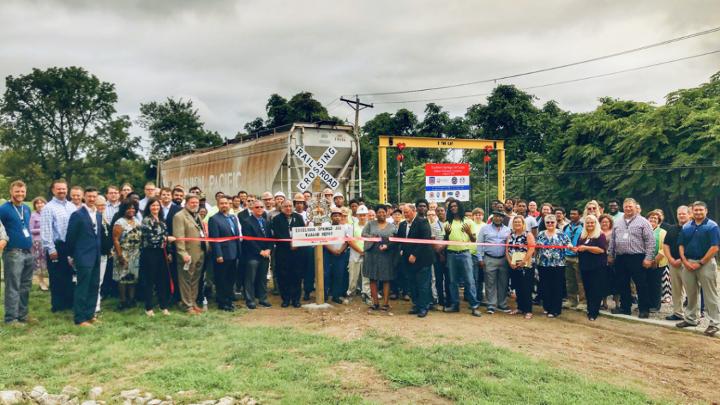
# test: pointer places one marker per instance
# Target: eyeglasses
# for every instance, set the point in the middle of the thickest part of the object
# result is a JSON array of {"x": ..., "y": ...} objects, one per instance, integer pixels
[
  {"x": 267, "y": 199},
  {"x": 549, "y": 222},
  {"x": 258, "y": 206}
]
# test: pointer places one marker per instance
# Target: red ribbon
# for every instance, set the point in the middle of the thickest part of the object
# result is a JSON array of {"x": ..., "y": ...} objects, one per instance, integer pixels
[{"x": 365, "y": 239}]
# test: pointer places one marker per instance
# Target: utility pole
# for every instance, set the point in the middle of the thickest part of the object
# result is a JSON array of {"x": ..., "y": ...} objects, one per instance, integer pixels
[{"x": 357, "y": 106}]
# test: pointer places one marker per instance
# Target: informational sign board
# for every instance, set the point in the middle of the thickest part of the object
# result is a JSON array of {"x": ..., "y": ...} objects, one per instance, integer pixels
[
  {"x": 443, "y": 180},
  {"x": 317, "y": 168},
  {"x": 317, "y": 234}
]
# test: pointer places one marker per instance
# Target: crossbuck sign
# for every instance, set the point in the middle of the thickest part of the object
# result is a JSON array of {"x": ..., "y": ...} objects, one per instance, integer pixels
[{"x": 317, "y": 168}]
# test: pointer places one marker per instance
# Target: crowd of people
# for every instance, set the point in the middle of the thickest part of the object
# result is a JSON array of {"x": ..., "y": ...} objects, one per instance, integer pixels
[{"x": 175, "y": 247}]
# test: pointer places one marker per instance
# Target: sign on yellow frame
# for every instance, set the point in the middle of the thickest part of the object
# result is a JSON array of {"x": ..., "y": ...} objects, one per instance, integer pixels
[{"x": 391, "y": 141}]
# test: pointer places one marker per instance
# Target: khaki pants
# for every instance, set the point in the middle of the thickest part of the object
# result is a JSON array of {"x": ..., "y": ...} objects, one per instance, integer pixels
[
  {"x": 354, "y": 272},
  {"x": 573, "y": 281},
  {"x": 676, "y": 283},
  {"x": 189, "y": 280},
  {"x": 706, "y": 278}
]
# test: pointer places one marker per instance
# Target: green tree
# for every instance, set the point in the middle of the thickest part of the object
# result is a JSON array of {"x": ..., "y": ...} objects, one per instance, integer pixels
[
  {"x": 174, "y": 126},
  {"x": 54, "y": 118}
]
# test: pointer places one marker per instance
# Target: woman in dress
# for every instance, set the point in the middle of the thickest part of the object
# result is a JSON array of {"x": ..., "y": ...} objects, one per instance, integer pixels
[
  {"x": 551, "y": 266},
  {"x": 38, "y": 252},
  {"x": 126, "y": 241},
  {"x": 592, "y": 257},
  {"x": 519, "y": 254},
  {"x": 153, "y": 258},
  {"x": 379, "y": 264},
  {"x": 606, "y": 226}
]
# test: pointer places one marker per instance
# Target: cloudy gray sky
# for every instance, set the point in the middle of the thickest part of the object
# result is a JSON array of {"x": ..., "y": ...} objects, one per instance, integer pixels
[{"x": 229, "y": 56}]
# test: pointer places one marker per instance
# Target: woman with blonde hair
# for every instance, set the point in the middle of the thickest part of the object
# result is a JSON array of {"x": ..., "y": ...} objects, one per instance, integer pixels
[
  {"x": 592, "y": 208},
  {"x": 592, "y": 256},
  {"x": 660, "y": 262},
  {"x": 519, "y": 254}
]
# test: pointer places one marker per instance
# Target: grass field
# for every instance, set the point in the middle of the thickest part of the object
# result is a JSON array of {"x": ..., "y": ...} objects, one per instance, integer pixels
[{"x": 216, "y": 355}]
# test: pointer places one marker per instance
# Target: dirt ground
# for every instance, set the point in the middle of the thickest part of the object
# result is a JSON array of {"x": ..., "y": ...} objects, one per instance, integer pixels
[{"x": 664, "y": 363}]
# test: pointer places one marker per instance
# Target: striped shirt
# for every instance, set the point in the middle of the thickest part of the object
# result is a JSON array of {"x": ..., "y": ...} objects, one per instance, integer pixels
[
  {"x": 631, "y": 237},
  {"x": 111, "y": 210},
  {"x": 54, "y": 222}
]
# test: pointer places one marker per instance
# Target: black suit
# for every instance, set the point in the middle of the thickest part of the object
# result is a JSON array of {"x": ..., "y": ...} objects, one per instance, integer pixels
[
  {"x": 418, "y": 273},
  {"x": 288, "y": 262},
  {"x": 256, "y": 266},
  {"x": 230, "y": 252}
]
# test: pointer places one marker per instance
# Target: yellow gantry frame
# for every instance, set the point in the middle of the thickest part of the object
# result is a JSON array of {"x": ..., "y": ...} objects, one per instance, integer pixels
[{"x": 391, "y": 141}]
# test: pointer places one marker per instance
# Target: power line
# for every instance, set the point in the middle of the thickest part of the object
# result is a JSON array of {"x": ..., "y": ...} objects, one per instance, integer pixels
[
  {"x": 606, "y": 171},
  {"x": 547, "y": 69},
  {"x": 579, "y": 79}
]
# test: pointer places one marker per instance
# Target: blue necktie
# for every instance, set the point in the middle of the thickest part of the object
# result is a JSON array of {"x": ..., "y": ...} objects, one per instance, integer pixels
[{"x": 262, "y": 224}]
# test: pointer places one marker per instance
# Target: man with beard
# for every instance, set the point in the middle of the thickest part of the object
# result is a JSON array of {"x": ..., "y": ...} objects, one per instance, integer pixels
[
  {"x": 83, "y": 246},
  {"x": 459, "y": 261},
  {"x": 190, "y": 254},
  {"x": 287, "y": 258},
  {"x": 53, "y": 229}
]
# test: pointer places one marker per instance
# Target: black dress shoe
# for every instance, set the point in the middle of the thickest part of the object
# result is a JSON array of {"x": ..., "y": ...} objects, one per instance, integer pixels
[
  {"x": 296, "y": 304},
  {"x": 451, "y": 309},
  {"x": 285, "y": 304},
  {"x": 251, "y": 305},
  {"x": 414, "y": 311},
  {"x": 337, "y": 300},
  {"x": 619, "y": 311},
  {"x": 673, "y": 317},
  {"x": 644, "y": 315},
  {"x": 422, "y": 313},
  {"x": 265, "y": 304}
]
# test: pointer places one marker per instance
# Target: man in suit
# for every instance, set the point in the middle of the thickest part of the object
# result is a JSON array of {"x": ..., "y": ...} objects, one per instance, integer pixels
[
  {"x": 417, "y": 259},
  {"x": 190, "y": 255},
  {"x": 169, "y": 210},
  {"x": 225, "y": 254},
  {"x": 257, "y": 256},
  {"x": 83, "y": 244},
  {"x": 288, "y": 260}
]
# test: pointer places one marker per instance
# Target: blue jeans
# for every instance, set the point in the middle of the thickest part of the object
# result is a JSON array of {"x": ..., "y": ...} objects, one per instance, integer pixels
[
  {"x": 19, "y": 266},
  {"x": 460, "y": 267}
]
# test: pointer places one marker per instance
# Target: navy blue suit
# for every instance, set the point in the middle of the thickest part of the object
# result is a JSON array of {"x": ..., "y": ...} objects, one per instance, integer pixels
[
  {"x": 230, "y": 251},
  {"x": 83, "y": 242}
]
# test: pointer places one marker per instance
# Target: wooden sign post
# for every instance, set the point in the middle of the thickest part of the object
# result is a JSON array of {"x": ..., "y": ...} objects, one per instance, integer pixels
[{"x": 317, "y": 236}]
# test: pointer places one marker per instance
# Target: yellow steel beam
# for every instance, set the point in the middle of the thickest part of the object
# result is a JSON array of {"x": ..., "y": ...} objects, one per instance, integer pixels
[
  {"x": 382, "y": 174},
  {"x": 391, "y": 141},
  {"x": 439, "y": 143}
]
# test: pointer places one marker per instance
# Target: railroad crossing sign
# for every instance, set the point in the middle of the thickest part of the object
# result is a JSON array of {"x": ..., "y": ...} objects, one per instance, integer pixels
[{"x": 317, "y": 168}]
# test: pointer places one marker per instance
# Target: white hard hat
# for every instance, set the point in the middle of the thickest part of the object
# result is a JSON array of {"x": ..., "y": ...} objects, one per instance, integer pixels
[
  {"x": 280, "y": 194},
  {"x": 338, "y": 194},
  {"x": 362, "y": 210}
]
